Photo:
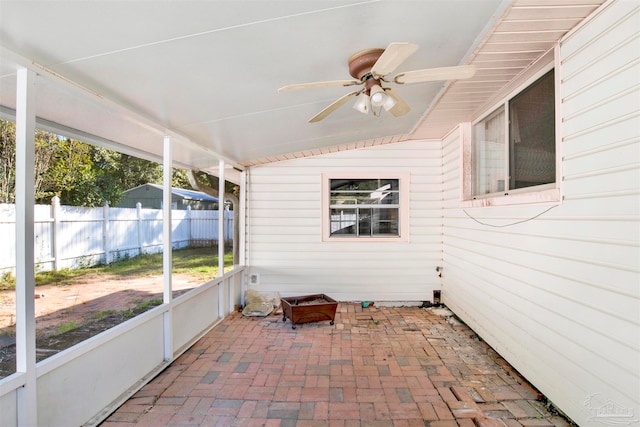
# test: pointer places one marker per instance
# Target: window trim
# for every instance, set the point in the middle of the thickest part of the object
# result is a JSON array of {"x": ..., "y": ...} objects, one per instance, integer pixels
[
  {"x": 545, "y": 193},
  {"x": 403, "y": 226}
]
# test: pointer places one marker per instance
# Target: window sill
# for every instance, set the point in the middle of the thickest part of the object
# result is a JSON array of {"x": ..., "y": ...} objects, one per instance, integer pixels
[
  {"x": 336, "y": 239},
  {"x": 531, "y": 197}
]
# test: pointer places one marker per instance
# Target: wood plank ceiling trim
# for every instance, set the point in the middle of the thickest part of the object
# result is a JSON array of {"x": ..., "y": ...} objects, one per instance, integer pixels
[{"x": 526, "y": 31}]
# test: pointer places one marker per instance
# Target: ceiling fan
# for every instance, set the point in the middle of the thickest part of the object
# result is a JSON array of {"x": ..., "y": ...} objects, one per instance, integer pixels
[{"x": 370, "y": 68}]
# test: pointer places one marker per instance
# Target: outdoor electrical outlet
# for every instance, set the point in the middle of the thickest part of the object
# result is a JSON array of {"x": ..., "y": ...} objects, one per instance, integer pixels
[
  {"x": 436, "y": 297},
  {"x": 254, "y": 279}
]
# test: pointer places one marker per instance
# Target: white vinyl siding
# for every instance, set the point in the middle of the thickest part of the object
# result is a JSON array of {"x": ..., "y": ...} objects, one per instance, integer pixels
[
  {"x": 285, "y": 245},
  {"x": 555, "y": 288}
]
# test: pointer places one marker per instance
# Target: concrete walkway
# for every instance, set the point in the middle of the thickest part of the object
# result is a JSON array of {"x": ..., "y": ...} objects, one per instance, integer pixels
[{"x": 376, "y": 367}]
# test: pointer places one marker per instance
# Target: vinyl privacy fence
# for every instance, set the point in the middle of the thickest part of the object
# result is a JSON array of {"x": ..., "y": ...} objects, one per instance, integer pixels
[{"x": 77, "y": 237}]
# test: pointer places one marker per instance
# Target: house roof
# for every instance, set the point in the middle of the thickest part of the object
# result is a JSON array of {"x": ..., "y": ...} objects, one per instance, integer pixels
[
  {"x": 206, "y": 73},
  {"x": 185, "y": 194}
]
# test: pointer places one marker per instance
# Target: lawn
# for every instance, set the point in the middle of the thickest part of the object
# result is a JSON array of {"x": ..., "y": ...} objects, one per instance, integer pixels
[
  {"x": 73, "y": 305},
  {"x": 197, "y": 262}
]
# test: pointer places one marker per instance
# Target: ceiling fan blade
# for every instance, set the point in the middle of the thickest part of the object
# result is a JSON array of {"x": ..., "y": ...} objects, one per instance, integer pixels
[
  {"x": 320, "y": 84},
  {"x": 401, "y": 107},
  {"x": 434, "y": 74},
  {"x": 332, "y": 107},
  {"x": 394, "y": 55}
]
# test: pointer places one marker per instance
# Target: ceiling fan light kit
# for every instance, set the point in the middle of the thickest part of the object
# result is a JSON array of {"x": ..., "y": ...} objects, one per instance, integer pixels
[
  {"x": 363, "y": 103},
  {"x": 376, "y": 93},
  {"x": 379, "y": 98},
  {"x": 389, "y": 101},
  {"x": 370, "y": 67}
]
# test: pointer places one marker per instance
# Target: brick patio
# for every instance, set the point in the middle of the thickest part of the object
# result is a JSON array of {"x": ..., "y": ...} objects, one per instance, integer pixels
[{"x": 377, "y": 366}]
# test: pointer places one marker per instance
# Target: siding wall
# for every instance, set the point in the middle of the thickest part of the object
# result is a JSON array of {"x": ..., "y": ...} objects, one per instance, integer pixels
[
  {"x": 559, "y": 295},
  {"x": 284, "y": 226}
]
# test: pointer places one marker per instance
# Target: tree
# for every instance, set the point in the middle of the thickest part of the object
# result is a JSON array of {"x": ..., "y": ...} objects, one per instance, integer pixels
[
  {"x": 208, "y": 184},
  {"x": 103, "y": 187},
  {"x": 79, "y": 173},
  {"x": 46, "y": 146},
  {"x": 7, "y": 161},
  {"x": 86, "y": 175},
  {"x": 62, "y": 166}
]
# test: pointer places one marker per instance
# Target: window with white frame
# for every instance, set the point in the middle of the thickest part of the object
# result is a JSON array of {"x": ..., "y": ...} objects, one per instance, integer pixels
[
  {"x": 364, "y": 207},
  {"x": 514, "y": 147}
]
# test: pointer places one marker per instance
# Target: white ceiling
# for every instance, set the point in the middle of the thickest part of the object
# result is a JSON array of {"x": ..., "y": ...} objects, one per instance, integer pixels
[{"x": 124, "y": 73}]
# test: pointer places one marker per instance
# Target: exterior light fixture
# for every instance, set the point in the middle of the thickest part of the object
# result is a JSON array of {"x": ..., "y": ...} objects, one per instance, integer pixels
[
  {"x": 363, "y": 104},
  {"x": 378, "y": 96},
  {"x": 389, "y": 102}
]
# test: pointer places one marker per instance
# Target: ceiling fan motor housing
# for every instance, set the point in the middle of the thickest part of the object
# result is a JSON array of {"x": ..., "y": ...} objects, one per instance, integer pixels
[
  {"x": 361, "y": 62},
  {"x": 360, "y": 65}
]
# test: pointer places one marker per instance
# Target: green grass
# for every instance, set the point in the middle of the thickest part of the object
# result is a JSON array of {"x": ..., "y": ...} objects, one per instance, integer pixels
[
  {"x": 7, "y": 281},
  {"x": 140, "y": 307},
  {"x": 66, "y": 327},
  {"x": 201, "y": 263},
  {"x": 63, "y": 277},
  {"x": 146, "y": 305},
  {"x": 99, "y": 315}
]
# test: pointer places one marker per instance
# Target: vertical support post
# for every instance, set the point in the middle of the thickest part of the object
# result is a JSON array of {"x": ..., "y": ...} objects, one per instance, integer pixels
[
  {"x": 509, "y": 155},
  {"x": 221, "y": 180},
  {"x": 243, "y": 218},
  {"x": 466, "y": 177},
  {"x": 167, "y": 252},
  {"x": 55, "y": 229},
  {"x": 232, "y": 286},
  {"x": 25, "y": 261},
  {"x": 189, "y": 235},
  {"x": 139, "y": 227},
  {"x": 105, "y": 233}
]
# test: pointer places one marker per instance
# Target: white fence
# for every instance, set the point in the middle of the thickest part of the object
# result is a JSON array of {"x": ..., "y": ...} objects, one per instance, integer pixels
[{"x": 74, "y": 237}]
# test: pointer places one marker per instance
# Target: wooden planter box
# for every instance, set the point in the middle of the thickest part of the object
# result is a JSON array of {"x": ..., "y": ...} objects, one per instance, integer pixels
[{"x": 308, "y": 308}]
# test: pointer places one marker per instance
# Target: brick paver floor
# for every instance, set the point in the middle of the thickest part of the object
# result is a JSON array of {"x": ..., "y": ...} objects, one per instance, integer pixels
[{"x": 377, "y": 367}]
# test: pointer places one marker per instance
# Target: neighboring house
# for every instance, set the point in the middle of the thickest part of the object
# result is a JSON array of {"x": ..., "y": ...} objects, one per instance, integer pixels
[{"x": 150, "y": 196}]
